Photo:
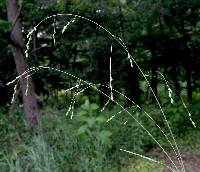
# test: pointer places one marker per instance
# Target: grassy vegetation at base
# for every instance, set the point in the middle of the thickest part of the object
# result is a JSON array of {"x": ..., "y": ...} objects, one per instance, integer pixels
[{"x": 88, "y": 142}]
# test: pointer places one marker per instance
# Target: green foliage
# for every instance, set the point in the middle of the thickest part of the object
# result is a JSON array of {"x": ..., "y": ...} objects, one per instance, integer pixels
[
  {"x": 92, "y": 123},
  {"x": 144, "y": 166},
  {"x": 12, "y": 125},
  {"x": 189, "y": 142},
  {"x": 2, "y": 2},
  {"x": 4, "y": 26},
  {"x": 55, "y": 146},
  {"x": 87, "y": 143}
]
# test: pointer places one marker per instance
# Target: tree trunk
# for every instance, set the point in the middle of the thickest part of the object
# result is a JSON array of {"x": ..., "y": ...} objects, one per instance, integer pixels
[
  {"x": 154, "y": 76},
  {"x": 189, "y": 82},
  {"x": 29, "y": 99},
  {"x": 132, "y": 89},
  {"x": 174, "y": 76}
]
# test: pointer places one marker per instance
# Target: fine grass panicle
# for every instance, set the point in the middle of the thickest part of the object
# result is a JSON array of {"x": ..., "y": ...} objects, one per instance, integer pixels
[{"x": 93, "y": 146}]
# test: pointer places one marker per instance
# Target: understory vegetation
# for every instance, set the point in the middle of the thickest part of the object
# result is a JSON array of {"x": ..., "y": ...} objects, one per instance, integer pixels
[{"x": 89, "y": 142}]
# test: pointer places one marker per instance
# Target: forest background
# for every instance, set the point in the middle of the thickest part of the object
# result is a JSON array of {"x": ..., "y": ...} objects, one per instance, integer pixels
[{"x": 99, "y": 85}]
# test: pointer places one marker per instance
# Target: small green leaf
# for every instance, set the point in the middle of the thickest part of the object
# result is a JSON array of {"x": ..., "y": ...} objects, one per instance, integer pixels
[
  {"x": 83, "y": 129},
  {"x": 91, "y": 121},
  {"x": 101, "y": 119},
  {"x": 94, "y": 106},
  {"x": 82, "y": 118},
  {"x": 82, "y": 112},
  {"x": 123, "y": 1},
  {"x": 105, "y": 136},
  {"x": 86, "y": 105}
]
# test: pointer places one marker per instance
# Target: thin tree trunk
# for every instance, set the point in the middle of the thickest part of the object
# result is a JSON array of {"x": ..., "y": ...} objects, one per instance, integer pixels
[
  {"x": 121, "y": 23},
  {"x": 175, "y": 79},
  {"x": 29, "y": 99},
  {"x": 187, "y": 59},
  {"x": 154, "y": 76},
  {"x": 132, "y": 89},
  {"x": 173, "y": 73},
  {"x": 189, "y": 82}
]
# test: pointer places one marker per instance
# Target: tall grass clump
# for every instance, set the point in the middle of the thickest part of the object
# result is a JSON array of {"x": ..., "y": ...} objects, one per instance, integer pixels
[{"x": 88, "y": 137}]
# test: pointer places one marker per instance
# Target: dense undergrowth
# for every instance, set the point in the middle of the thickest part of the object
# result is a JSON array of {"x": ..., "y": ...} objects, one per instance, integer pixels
[{"x": 89, "y": 142}]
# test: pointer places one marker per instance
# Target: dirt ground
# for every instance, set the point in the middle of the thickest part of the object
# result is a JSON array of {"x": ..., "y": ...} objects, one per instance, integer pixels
[{"x": 191, "y": 162}]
